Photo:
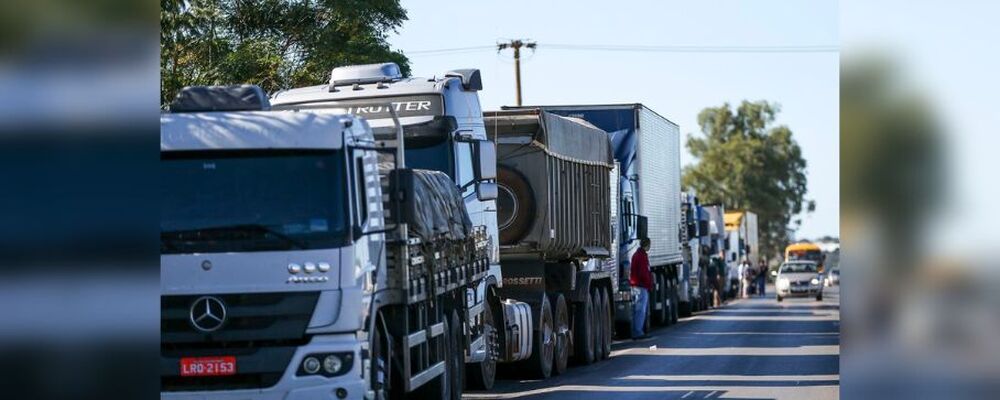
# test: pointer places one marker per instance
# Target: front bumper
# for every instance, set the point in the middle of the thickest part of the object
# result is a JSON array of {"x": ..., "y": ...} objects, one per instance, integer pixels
[
  {"x": 292, "y": 387},
  {"x": 806, "y": 291}
]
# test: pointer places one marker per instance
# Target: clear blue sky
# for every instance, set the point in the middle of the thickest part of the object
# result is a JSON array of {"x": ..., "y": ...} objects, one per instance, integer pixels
[{"x": 676, "y": 85}]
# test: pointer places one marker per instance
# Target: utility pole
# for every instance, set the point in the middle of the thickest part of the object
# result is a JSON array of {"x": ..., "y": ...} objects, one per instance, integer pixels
[{"x": 516, "y": 44}]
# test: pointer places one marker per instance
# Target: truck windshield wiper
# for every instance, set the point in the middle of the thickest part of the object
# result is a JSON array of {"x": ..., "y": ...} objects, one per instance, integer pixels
[{"x": 200, "y": 233}]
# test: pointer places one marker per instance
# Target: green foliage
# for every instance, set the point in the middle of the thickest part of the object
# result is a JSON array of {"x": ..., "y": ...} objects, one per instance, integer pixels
[
  {"x": 744, "y": 162},
  {"x": 893, "y": 166},
  {"x": 276, "y": 44}
]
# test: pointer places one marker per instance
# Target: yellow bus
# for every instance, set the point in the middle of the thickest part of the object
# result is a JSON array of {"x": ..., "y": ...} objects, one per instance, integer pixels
[{"x": 805, "y": 251}]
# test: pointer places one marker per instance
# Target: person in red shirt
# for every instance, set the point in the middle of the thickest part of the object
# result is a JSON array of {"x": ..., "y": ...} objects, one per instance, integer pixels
[{"x": 642, "y": 281}]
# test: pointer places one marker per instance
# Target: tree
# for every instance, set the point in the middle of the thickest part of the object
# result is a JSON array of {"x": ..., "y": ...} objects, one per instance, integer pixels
[
  {"x": 276, "y": 44},
  {"x": 746, "y": 163}
]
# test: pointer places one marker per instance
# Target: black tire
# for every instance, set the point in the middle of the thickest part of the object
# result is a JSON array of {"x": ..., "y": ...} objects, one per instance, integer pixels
[
  {"x": 439, "y": 387},
  {"x": 599, "y": 325},
  {"x": 515, "y": 205},
  {"x": 609, "y": 323},
  {"x": 583, "y": 332},
  {"x": 675, "y": 297},
  {"x": 381, "y": 368},
  {"x": 560, "y": 314},
  {"x": 482, "y": 375},
  {"x": 456, "y": 375},
  {"x": 819, "y": 297},
  {"x": 780, "y": 298},
  {"x": 539, "y": 365},
  {"x": 686, "y": 308},
  {"x": 657, "y": 297}
]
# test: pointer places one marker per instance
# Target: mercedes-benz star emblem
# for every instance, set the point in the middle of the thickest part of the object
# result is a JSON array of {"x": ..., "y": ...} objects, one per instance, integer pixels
[{"x": 208, "y": 314}]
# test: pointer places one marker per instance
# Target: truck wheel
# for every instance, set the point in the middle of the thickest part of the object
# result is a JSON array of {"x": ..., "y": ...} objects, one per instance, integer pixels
[
  {"x": 483, "y": 374},
  {"x": 456, "y": 376},
  {"x": 657, "y": 297},
  {"x": 780, "y": 298},
  {"x": 608, "y": 323},
  {"x": 675, "y": 298},
  {"x": 440, "y": 386},
  {"x": 583, "y": 332},
  {"x": 381, "y": 368},
  {"x": 562, "y": 332},
  {"x": 598, "y": 326},
  {"x": 539, "y": 365}
]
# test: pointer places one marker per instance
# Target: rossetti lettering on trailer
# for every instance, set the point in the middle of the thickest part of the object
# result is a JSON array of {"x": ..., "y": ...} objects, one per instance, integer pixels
[{"x": 522, "y": 281}]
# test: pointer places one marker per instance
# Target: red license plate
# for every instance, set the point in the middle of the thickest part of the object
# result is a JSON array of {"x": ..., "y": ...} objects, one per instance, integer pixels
[{"x": 208, "y": 366}]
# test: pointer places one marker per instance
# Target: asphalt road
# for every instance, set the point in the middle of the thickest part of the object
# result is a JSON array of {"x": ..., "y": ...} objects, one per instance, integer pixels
[{"x": 749, "y": 349}]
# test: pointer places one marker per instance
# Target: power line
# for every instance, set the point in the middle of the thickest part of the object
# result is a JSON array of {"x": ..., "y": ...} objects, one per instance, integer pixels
[
  {"x": 645, "y": 49},
  {"x": 695, "y": 49},
  {"x": 451, "y": 50}
]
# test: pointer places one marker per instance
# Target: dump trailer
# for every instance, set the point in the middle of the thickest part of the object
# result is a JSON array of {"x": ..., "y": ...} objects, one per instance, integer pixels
[
  {"x": 556, "y": 232},
  {"x": 443, "y": 131},
  {"x": 295, "y": 265},
  {"x": 647, "y": 148}
]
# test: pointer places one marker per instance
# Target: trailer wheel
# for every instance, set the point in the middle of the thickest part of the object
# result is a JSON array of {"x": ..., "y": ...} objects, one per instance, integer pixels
[
  {"x": 483, "y": 374},
  {"x": 598, "y": 325},
  {"x": 539, "y": 365},
  {"x": 562, "y": 332},
  {"x": 583, "y": 332},
  {"x": 608, "y": 323}
]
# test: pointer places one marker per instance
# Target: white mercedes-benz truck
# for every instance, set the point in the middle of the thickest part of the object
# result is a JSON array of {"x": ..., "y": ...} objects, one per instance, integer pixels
[
  {"x": 301, "y": 260},
  {"x": 443, "y": 130}
]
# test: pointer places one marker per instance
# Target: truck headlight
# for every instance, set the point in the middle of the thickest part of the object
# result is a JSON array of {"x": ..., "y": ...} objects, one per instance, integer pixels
[
  {"x": 814, "y": 281},
  {"x": 310, "y": 365},
  {"x": 782, "y": 282},
  {"x": 332, "y": 364}
]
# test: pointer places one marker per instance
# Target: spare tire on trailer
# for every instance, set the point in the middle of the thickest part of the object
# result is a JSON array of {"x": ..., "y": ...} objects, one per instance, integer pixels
[{"x": 515, "y": 205}]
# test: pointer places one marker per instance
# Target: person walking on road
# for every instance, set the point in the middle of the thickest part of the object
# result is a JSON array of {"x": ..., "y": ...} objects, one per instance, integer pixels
[
  {"x": 761, "y": 278},
  {"x": 642, "y": 281},
  {"x": 746, "y": 278}
]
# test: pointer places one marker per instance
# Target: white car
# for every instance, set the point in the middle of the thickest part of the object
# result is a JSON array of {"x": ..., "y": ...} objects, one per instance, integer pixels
[{"x": 799, "y": 279}]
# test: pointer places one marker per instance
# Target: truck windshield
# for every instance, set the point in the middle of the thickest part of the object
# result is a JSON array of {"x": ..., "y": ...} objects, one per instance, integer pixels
[
  {"x": 243, "y": 201},
  {"x": 435, "y": 156}
]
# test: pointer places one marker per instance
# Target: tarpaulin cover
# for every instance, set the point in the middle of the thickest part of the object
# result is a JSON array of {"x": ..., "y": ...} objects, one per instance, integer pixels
[
  {"x": 220, "y": 98},
  {"x": 568, "y": 137},
  {"x": 431, "y": 205}
]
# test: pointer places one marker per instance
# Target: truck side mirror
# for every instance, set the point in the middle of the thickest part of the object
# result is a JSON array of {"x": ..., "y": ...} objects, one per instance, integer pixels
[
  {"x": 692, "y": 231},
  {"x": 642, "y": 227},
  {"x": 703, "y": 228},
  {"x": 487, "y": 191},
  {"x": 486, "y": 160}
]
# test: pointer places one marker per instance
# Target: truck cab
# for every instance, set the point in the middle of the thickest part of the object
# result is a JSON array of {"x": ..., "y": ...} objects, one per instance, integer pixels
[
  {"x": 443, "y": 130},
  {"x": 268, "y": 256}
]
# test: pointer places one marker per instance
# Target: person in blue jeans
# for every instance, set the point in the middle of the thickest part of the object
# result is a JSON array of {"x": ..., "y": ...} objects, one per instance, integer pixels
[{"x": 642, "y": 280}]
